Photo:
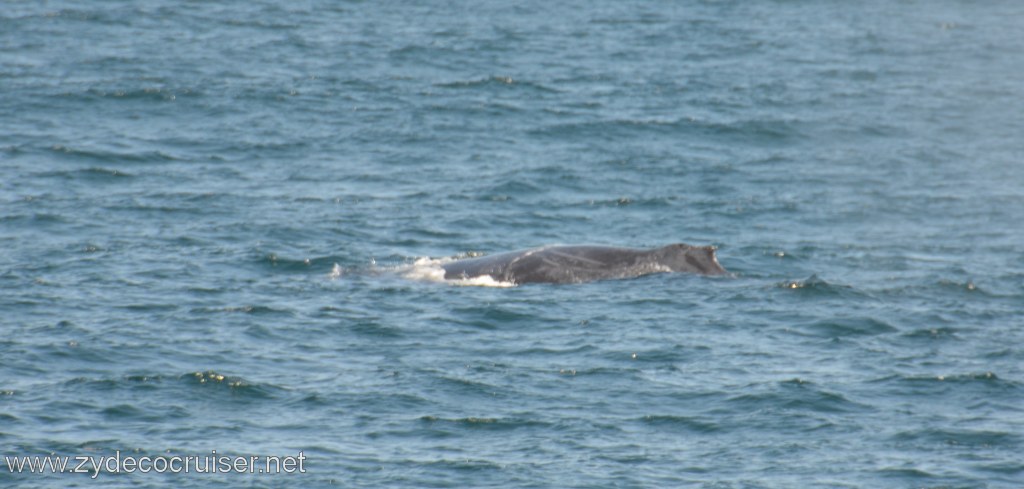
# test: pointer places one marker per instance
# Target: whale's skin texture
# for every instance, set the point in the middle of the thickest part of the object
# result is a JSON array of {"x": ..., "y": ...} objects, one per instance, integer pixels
[{"x": 578, "y": 264}]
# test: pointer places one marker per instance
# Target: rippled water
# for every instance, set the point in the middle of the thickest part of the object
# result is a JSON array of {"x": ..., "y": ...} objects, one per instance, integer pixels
[{"x": 209, "y": 212}]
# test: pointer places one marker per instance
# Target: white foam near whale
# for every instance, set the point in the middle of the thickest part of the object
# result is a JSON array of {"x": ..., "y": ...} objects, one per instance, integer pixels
[{"x": 432, "y": 270}]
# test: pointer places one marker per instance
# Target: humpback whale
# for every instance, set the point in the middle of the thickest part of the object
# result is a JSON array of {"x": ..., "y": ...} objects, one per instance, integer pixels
[{"x": 577, "y": 264}]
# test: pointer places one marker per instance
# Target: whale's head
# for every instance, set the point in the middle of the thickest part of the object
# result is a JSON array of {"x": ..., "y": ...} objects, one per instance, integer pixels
[{"x": 681, "y": 257}]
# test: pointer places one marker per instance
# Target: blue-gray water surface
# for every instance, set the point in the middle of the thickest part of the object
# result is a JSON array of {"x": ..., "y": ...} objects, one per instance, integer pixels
[{"x": 206, "y": 209}]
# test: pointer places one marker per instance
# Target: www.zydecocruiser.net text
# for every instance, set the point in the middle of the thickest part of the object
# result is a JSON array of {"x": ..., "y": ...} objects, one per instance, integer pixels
[{"x": 160, "y": 464}]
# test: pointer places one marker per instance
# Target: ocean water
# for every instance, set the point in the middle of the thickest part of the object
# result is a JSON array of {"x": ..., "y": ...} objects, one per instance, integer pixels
[{"x": 217, "y": 224}]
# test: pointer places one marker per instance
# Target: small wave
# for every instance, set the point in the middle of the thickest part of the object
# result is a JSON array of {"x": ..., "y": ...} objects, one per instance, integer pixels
[
  {"x": 556, "y": 352},
  {"x": 102, "y": 156},
  {"x": 639, "y": 19},
  {"x": 498, "y": 424},
  {"x": 246, "y": 309},
  {"x": 128, "y": 94},
  {"x": 281, "y": 263},
  {"x": 497, "y": 82},
  {"x": 136, "y": 387},
  {"x": 86, "y": 383},
  {"x": 814, "y": 286},
  {"x": 957, "y": 286},
  {"x": 511, "y": 188},
  {"x": 142, "y": 379},
  {"x": 797, "y": 395},
  {"x": 40, "y": 219},
  {"x": 905, "y": 473},
  {"x": 932, "y": 334},
  {"x": 646, "y": 203},
  {"x": 374, "y": 328},
  {"x": 843, "y": 327},
  {"x": 764, "y": 130},
  {"x": 984, "y": 376},
  {"x": 89, "y": 15},
  {"x": 682, "y": 423},
  {"x": 968, "y": 438},
  {"x": 235, "y": 385},
  {"x": 122, "y": 412},
  {"x": 971, "y": 388},
  {"x": 213, "y": 377},
  {"x": 149, "y": 307},
  {"x": 454, "y": 465},
  {"x": 92, "y": 173},
  {"x": 464, "y": 385},
  {"x": 495, "y": 315},
  {"x": 420, "y": 53}
]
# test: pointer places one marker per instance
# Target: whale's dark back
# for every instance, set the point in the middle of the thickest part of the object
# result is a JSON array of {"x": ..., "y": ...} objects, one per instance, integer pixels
[{"x": 575, "y": 264}]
